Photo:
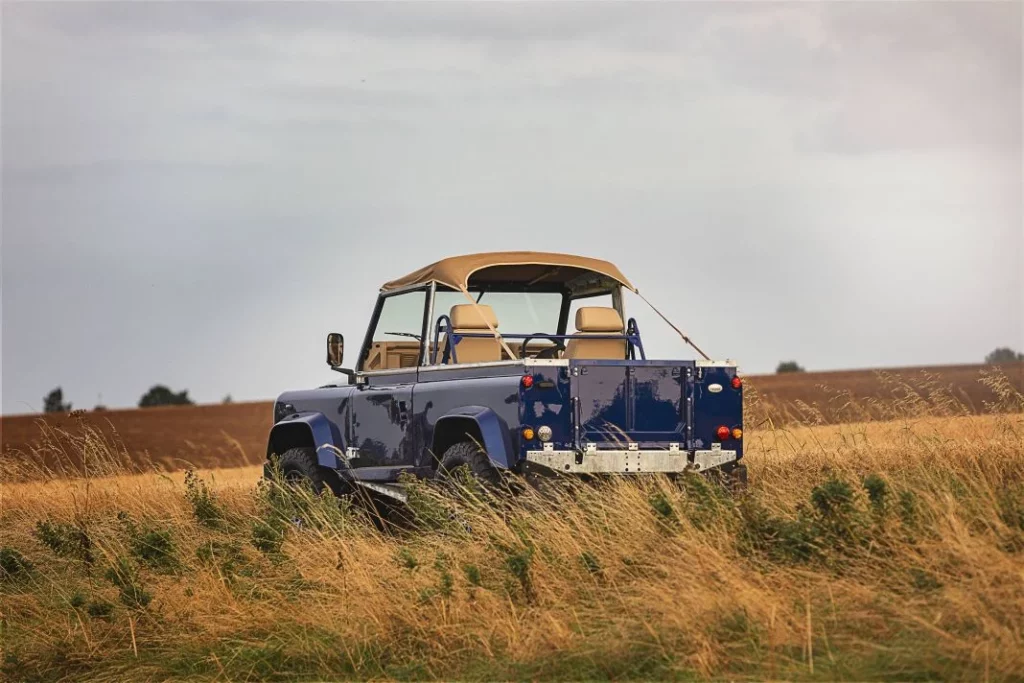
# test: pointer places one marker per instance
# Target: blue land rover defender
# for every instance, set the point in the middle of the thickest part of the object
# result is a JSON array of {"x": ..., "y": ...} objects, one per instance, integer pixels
[{"x": 471, "y": 361}]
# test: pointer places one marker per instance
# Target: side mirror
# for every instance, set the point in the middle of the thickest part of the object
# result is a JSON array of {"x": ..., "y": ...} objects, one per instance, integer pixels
[{"x": 335, "y": 349}]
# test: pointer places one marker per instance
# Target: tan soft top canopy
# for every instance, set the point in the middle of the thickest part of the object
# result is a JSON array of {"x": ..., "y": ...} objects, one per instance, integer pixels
[{"x": 524, "y": 266}]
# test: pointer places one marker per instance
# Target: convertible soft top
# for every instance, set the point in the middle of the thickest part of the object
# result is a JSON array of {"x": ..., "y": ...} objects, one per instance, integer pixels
[{"x": 516, "y": 266}]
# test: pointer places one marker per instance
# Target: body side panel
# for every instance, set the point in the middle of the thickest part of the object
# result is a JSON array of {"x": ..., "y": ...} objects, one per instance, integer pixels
[{"x": 491, "y": 401}]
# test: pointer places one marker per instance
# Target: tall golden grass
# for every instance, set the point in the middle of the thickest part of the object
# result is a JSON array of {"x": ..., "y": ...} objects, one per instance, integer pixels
[{"x": 875, "y": 550}]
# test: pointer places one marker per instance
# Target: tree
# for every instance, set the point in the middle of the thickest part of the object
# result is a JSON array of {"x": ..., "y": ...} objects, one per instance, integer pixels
[
  {"x": 159, "y": 395},
  {"x": 54, "y": 402},
  {"x": 788, "y": 366},
  {"x": 228, "y": 399},
  {"x": 1003, "y": 355}
]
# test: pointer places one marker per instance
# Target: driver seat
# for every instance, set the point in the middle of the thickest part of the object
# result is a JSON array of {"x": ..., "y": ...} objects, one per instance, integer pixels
[
  {"x": 473, "y": 318},
  {"x": 597, "y": 320}
]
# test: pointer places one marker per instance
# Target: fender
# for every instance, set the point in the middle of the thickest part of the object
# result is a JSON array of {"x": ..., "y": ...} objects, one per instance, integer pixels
[
  {"x": 310, "y": 429},
  {"x": 494, "y": 433}
]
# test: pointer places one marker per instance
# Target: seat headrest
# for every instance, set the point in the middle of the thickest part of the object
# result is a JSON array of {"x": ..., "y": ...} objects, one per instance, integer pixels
[
  {"x": 598, "y": 319},
  {"x": 472, "y": 317}
]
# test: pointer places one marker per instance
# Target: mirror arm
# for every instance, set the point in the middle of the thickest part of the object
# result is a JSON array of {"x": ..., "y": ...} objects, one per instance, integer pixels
[{"x": 351, "y": 374}]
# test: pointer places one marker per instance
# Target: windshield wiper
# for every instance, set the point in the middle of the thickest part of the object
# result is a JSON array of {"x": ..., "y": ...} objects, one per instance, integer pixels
[{"x": 406, "y": 334}]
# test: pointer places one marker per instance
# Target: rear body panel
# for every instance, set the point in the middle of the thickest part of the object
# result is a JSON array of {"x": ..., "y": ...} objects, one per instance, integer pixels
[{"x": 621, "y": 402}]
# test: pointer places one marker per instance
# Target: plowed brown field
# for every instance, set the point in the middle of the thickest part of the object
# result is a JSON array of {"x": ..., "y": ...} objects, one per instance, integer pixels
[{"x": 235, "y": 434}]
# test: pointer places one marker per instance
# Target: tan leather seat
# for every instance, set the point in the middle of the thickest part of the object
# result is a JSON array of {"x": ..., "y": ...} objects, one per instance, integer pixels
[
  {"x": 597, "y": 320},
  {"x": 474, "y": 319}
]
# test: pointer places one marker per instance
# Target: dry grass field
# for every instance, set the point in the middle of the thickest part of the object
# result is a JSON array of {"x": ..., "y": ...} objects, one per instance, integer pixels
[{"x": 876, "y": 550}]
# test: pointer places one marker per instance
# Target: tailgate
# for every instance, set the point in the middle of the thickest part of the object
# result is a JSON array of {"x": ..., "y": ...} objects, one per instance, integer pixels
[{"x": 621, "y": 402}]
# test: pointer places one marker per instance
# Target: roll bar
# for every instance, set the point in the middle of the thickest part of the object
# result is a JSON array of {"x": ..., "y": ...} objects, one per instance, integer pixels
[{"x": 452, "y": 339}]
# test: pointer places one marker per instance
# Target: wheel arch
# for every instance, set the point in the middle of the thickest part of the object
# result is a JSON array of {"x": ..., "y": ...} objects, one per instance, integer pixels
[
  {"x": 311, "y": 430},
  {"x": 474, "y": 423}
]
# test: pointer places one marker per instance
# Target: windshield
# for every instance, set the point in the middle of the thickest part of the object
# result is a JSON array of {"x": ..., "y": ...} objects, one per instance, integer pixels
[{"x": 517, "y": 312}]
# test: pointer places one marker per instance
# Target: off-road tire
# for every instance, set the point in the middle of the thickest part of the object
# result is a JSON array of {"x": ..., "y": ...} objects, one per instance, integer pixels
[
  {"x": 738, "y": 478},
  {"x": 733, "y": 478},
  {"x": 468, "y": 453},
  {"x": 299, "y": 466}
]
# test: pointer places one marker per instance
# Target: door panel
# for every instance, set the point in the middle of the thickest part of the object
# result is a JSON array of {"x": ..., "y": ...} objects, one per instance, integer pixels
[{"x": 381, "y": 425}]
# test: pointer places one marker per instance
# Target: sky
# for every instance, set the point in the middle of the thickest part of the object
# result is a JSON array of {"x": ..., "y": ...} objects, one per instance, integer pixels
[{"x": 194, "y": 194}]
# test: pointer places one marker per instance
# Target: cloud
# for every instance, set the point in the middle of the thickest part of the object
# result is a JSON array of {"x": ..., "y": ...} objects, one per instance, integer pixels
[{"x": 182, "y": 177}]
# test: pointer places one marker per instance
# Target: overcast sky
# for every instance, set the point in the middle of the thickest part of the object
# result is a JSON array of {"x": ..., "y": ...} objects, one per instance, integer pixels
[{"x": 194, "y": 194}]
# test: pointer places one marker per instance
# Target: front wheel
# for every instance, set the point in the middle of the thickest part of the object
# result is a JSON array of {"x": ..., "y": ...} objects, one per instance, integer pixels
[
  {"x": 468, "y": 453},
  {"x": 298, "y": 467}
]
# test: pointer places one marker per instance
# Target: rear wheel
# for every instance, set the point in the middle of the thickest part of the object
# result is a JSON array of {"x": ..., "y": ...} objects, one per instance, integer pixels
[
  {"x": 469, "y": 454},
  {"x": 733, "y": 478}
]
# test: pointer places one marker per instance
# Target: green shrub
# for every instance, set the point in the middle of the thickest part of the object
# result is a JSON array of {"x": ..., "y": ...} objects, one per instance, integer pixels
[
  {"x": 287, "y": 505},
  {"x": 878, "y": 493},
  {"x": 428, "y": 508},
  {"x": 590, "y": 563},
  {"x": 472, "y": 573},
  {"x": 99, "y": 609},
  {"x": 908, "y": 509},
  {"x": 268, "y": 536},
  {"x": 517, "y": 564},
  {"x": 406, "y": 559},
  {"x": 1011, "y": 507},
  {"x": 65, "y": 540},
  {"x": 125, "y": 578},
  {"x": 153, "y": 547},
  {"x": 227, "y": 556},
  {"x": 662, "y": 506},
  {"x": 837, "y": 519},
  {"x": 203, "y": 501},
  {"x": 782, "y": 540},
  {"x": 13, "y": 564},
  {"x": 446, "y": 583}
]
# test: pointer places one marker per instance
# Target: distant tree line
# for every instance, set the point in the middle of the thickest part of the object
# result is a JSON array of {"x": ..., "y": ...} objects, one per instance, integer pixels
[
  {"x": 789, "y": 366},
  {"x": 53, "y": 402},
  {"x": 1003, "y": 355},
  {"x": 159, "y": 395}
]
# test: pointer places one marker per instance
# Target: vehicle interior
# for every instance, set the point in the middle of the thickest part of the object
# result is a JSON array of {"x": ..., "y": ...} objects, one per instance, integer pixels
[{"x": 552, "y": 311}]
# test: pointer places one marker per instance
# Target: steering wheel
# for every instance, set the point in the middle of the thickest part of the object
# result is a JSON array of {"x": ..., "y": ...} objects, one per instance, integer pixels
[{"x": 550, "y": 352}]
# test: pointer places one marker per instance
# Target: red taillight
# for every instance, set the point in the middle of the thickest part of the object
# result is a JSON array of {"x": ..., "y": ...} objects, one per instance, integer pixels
[
  {"x": 736, "y": 382},
  {"x": 723, "y": 433},
  {"x": 527, "y": 381}
]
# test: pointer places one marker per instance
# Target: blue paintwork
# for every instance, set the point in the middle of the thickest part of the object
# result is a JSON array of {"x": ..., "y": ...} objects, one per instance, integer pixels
[
  {"x": 713, "y": 410},
  {"x": 445, "y": 394},
  {"x": 547, "y": 402},
  {"x": 323, "y": 435},
  {"x": 641, "y": 401},
  {"x": 394, "y": 421},
  {"x": 493, "y": 434},
  {"x": 402, "y": 421}
]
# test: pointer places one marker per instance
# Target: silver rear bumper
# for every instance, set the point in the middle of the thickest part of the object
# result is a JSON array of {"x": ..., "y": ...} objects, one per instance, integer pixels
[{"x": 630, "y": 461}]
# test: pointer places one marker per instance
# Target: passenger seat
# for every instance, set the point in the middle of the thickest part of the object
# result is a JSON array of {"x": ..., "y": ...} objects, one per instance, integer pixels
[
  {"x": 597, "y": 320},
  {"x": 473, "y": 319}
]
